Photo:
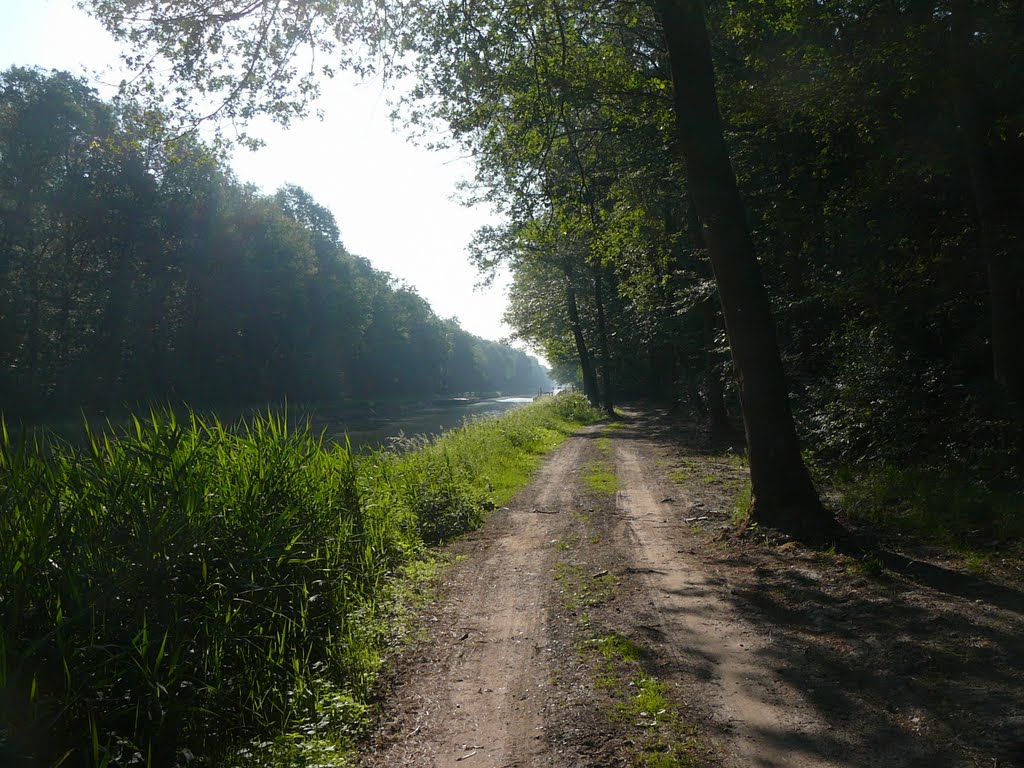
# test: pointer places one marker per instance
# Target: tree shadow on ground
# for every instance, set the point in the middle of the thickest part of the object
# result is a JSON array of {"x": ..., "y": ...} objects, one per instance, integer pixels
[{"x": 912, "y": 663}]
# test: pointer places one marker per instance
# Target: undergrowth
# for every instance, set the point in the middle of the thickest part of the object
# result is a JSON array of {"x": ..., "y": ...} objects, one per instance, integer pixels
[
  {"x": 184, "y": 593},
  {"x": 949, "y": 509}
]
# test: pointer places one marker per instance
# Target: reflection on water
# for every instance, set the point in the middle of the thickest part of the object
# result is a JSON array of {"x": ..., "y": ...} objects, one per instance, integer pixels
[
  {"x": 371, "y": 429},
  {"x": 366, "y": 428}
]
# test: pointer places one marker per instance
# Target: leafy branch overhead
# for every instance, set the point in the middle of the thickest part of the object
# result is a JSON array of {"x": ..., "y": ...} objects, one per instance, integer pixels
[{"x": 821, "y": 189}]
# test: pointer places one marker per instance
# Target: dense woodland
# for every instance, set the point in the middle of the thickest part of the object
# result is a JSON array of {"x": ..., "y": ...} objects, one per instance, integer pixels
[
  {"x": 134, "y": 270},
  {"x": 803, "y": 214},
  {"x": 878, "y": 149},
  {"x": 868, "y": 154},
  {"x": 805, "y": 218}
]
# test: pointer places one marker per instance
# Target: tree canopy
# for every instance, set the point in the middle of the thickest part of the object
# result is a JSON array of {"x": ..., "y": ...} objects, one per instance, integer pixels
[
  {"x": 135, "y": 271},
  {"x": 827, "y": 192}
]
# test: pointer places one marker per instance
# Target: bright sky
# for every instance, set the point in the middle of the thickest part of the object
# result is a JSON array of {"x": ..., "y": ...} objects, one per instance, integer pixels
[{"x": 391, "y": 199}]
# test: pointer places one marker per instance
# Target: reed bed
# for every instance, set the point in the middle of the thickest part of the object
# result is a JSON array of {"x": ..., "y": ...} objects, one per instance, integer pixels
[{"x": 182, "y": 593}]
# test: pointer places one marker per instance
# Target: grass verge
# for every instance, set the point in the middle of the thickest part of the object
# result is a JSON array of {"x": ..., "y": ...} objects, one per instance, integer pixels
[{"x": 185, "y": 593}]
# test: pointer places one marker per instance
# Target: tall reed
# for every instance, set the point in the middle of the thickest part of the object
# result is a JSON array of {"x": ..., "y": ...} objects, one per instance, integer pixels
[{"x": 182, "y": 591}]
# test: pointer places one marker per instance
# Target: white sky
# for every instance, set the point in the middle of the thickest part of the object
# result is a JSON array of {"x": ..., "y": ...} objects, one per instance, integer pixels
[{"x": 391, "y": 199}]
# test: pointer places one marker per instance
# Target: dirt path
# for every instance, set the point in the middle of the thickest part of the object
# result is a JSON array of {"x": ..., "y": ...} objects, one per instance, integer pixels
[
  {"x": 767, "y": 655},
  {"x": 771, "y": 724},
  {"x": 480, "y": 692}
]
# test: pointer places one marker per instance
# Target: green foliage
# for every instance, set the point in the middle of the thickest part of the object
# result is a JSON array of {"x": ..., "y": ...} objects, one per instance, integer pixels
[
  {"x": 662, "y": 737},
  {"x": 181, "y": 581},
  {"x": 136, "y": 270},
  {"x": 185, "y": 589},
  {"x": 614, "y": 646},
  {"x": 741, "y": 504},
  {"x": 582, "y": 589},
  {"x": 600, "y": 477},
  {"x": 954, "y": 509},
  {"x": 877, "y": 149}
]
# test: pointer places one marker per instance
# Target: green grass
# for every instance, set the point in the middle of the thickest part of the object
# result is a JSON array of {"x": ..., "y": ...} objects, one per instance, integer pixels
[
  {"x": 868, "y": 565},
  {"x": 581, "y": 589},
  {"x": 614, "y": 647},
  {"x": 741, "y": 504},
  {"x": 600, "y": 477},
  {"x": 661, "y": 736},
  {"x": 679, "y": 475},
  {"x": 181, "y": 589},
  {"x": 953, "y": 510}
]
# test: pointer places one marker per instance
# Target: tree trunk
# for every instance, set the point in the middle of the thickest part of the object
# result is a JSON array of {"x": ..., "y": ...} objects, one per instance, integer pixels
[
  {"x": 1002, "y": 255},
  {"x": 718, "y": 419},
  {"x": 586, "y": 364},
  {"x": 783, "y": 495},
  {"x": 602, "y": 339},
  {"x": 714, "y": 400}
]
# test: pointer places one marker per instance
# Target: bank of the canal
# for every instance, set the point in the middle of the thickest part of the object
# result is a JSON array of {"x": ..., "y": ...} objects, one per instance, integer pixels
[
  {"x": 258, "y": 561},
  {"x": 366, "y": 424}
]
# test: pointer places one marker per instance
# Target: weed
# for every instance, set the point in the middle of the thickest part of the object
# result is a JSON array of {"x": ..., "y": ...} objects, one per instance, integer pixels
[
  {"x": 564, "y": 545},
  {"x": 742, "y": 503},
  {"x": 679, "y": 475},
  {"x": 954, "y": 510},
  {"x": 616, "y": 647},
  {"x": 978, "y": 563},
  {"x": 737, "y": 460},
  {"x": 647, "y": 704},
  {"x": 582, "y": 589},
  {"x": 663, "y": 739},
  {"x": 869, "y": 565}
]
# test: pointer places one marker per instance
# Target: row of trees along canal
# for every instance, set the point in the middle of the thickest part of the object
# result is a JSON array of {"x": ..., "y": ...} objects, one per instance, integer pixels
[
  {"x": 828, "y": 191},
  {"x": 132, "y": 270}
]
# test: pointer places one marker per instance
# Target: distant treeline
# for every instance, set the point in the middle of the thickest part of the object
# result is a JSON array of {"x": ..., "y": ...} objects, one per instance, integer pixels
[{"x": 133, "y": 269}]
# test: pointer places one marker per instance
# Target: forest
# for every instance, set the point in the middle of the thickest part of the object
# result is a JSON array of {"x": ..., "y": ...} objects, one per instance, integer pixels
[
  {"x": 678, "y": 183},
  {"x": 798, "y": 225},
  {"x": 797, "y": 217},
  {"x": 134, "y": 271}
]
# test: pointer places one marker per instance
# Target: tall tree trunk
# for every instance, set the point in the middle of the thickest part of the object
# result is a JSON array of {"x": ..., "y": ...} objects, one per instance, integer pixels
[
  {"x": 1003, "y": 256},
  {"x": 714, "y": 400},
  {"x": 586, "y": 364},
  {"x": 602, "y": 339},
  {"x": 718, "y": 419},
  {"x": 783, "y": 495}
]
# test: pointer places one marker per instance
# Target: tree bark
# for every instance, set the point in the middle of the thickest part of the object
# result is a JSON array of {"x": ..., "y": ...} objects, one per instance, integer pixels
[
  {"x": 718, "y": 419},
  {"x": 783, "y": 495},
  {"x": 602, "y": 339},
  {"x": 1002, "y": 255},
  {"x": 586, "y": 364},
  {"x": 714, "y": 400}
]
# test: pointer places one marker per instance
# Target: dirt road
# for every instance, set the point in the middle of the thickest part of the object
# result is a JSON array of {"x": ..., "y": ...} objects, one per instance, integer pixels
[{"x": 614, "y": 622}]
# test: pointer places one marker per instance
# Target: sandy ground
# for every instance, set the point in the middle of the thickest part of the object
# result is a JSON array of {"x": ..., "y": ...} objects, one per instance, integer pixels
[{"x": 768, "y": 653}]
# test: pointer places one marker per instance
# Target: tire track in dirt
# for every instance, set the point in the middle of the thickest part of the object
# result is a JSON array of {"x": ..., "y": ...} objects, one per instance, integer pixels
[
  {"x": 766, "y": 721},
  {"x": 481, "y": 700},
  {"x": 771, "y": 655}
]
